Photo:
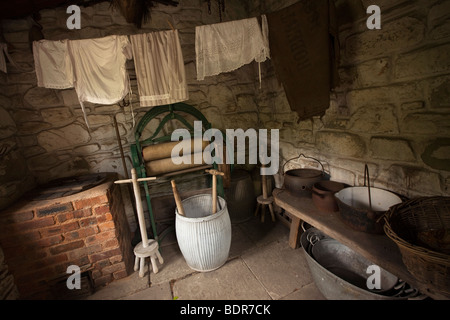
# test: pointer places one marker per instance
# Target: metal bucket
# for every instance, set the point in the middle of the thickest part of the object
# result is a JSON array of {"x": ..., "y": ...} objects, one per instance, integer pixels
[
  {"x": 334, "y": 287},
  {"x": 204, "y": 238}
]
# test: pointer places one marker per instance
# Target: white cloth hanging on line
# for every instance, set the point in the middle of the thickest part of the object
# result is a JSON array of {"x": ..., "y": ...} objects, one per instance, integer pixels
[
  {"x": 227, "y": 46},
  {"x": 52, "y": 64},
  {"x": 159, "y": 65},
  {"x": 99, "y": 70}
]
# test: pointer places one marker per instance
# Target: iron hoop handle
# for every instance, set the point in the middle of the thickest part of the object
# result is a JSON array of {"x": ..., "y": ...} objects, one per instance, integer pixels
[
  {"x": 301, "y": 154},
  {"x": 366, "y": 173}
]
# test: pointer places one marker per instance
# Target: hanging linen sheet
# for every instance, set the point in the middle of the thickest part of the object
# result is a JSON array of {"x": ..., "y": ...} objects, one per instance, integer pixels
[
  {"x": 227, "y": 46},
  {"x": 304, "y": 50},
  {"x": 99, "y": 71},
  {"x": 52, "y": 64},
  {"x": 159, "y": 65}
]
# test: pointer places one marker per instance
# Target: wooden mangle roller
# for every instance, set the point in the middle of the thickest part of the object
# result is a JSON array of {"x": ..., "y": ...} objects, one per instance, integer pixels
[{"x": 158, "y": 159}]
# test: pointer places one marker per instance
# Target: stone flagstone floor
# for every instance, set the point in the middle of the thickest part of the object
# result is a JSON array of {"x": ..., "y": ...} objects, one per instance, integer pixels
[{"x": 261, "y": 266}]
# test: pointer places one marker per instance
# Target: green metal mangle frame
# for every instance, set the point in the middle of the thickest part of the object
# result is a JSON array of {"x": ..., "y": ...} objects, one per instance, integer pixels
[{"x": 173, "y": 112}]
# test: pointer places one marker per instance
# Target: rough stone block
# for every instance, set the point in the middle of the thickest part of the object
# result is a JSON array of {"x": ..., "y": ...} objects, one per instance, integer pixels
[
  {"x": 440, "y": 95},
  {"x": 68, "y": 136},
  {"x": 374, "y": 72},
  {"x": 413, "y": 180},
  {"x": 391, "y": 149},
  {"x": 241, "y": 120},
  {"x": 440, "y": 31},
  {"x": 33, "y": 127},
  {"x": 342, "y": 175},
  {"x": 393, "y": 36},
  {"x": 87, "y": 149},
  {"x": 412, "y": 106},
  {"x": 38, "y": 97},
  {"x": 98, "y": 119},
  {"x": 425, "y": 123},
  {"x": 22, "y": 115},
  {"x": 438, "y": 13},
  {"x": 437, "y": 154},
  {"x": 419, "y": 64},
  {"x": 214, "y": 117},
  {"x": 342, "y": 143},
  {"x": 376, "y": 119},
  {"x": 42, "y": 162},
  {"x": 196, "y": 97},
  {"x": 57, "y": 115},
  {"x": 246, "y": 102},
  {"x": 392, "y": 94},
  {"x": 7, "y": 124},
  {"x": 221, "y": 96}
]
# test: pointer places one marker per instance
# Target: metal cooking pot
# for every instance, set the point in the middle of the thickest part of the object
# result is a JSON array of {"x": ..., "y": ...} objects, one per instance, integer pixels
[
  {"x": 323, "y": 195},
  {"x": 300, "y": 181},
  {"x": 362, "y": 207}
]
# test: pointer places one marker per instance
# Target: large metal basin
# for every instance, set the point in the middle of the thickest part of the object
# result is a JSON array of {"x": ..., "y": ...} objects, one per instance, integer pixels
[
  {"x": 338, "y": 280},
  {"x": 362, "y": 214}
]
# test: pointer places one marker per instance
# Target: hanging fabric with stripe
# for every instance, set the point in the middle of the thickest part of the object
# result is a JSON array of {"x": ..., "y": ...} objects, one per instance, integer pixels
[{"x": 159, "y": 66}]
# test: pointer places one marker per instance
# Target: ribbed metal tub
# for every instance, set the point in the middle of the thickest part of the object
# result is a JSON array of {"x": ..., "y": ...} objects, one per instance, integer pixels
[{"x": 204, "y": 238}]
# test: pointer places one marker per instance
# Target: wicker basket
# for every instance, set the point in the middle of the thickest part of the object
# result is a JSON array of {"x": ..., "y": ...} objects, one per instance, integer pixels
[{"x": 421, "y": 229}]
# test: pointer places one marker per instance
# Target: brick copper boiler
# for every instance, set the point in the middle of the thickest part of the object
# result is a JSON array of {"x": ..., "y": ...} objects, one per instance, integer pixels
[{"x": 72, "y": 221}]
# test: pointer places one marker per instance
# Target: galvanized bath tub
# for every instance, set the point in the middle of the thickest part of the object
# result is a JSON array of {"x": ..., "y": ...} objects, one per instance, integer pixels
[{"x": 334, "y": 287}]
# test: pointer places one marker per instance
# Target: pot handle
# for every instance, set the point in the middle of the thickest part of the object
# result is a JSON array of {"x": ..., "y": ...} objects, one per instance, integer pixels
[
  {"x": 301, "y": 154},
  {"x": 366, "y": 173},
  {"x": 313, "y": 238}
]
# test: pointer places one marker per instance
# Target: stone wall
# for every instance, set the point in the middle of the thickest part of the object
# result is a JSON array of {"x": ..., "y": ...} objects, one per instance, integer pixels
[
  {"x": 43, "y": 130},
  {"x": 391, "y": 110}
]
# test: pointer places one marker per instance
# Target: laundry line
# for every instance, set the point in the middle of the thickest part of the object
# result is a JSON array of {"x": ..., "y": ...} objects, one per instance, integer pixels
[{"x": 158, "y": 61}]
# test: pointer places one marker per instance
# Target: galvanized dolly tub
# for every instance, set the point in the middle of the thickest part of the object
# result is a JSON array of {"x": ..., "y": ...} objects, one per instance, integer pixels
[
  {"x": 203, "y": 228},
  {"x": 147, "y": 247}
]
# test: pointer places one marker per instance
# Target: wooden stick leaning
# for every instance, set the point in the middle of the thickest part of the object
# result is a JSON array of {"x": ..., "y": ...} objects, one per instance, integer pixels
[
  {"x": 177, "y": 197},
  {"x": 214, "y": 173}
]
